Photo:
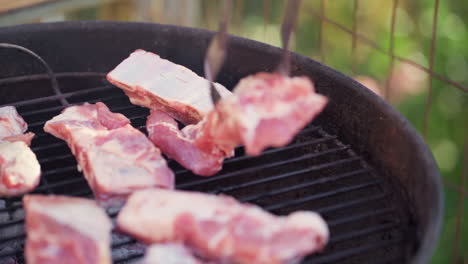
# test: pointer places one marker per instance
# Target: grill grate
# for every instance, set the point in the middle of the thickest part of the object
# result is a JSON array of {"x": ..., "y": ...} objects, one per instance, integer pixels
[{"x": 315, "y": 172}]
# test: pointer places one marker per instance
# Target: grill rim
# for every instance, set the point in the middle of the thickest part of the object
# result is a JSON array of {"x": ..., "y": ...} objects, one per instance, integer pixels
[{"x": 428, "y": 234}]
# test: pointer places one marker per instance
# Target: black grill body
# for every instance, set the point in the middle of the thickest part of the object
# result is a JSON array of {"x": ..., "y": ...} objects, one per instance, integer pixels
[{"x": 360, "y": 164}]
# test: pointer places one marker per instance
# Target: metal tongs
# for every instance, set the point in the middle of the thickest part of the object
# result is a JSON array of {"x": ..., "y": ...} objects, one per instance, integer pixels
[
  {"x": 216, "y": 53},
  {"x": 287, "y": 27}
]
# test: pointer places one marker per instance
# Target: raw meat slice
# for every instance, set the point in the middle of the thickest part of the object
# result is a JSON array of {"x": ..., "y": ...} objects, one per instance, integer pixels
[
  {"x": 169, "y": 254},
  {"x": 11, "y": 123},
  {"x": 66, "y": 230},
  {"x": 179, "y": 144},
  {"x": 221, "y": 228},
  {"x": 19, "y": 169},
  {"x": 116, "y": 158},
  {"x": 267, "y": 110},
  {"x": 156, "y": 83},
  {"x": 12, "y": 126},
  {"x": 26, "y": 138}
]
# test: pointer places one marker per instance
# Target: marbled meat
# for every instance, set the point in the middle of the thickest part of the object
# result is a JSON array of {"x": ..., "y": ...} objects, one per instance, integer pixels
[
  {"x": 66, "y": 230},
  {"x": 221, "y": 228},
  {"x": 156, "y": 83},
  {"x": 180, "y": 145},
  {"x": 116, "y": 158},
  {"x": 171, "y": 253},
  {"x": 13, "y": 126},
  {"x": 266, "y": 110},
  {"x": 19, "y": 169}
]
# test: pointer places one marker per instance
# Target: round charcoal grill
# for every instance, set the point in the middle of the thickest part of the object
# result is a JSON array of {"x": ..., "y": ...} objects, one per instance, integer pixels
[{"x": 360, "y": 164}]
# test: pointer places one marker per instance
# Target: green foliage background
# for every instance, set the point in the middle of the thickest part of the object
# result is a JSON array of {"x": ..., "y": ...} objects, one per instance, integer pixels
[{"x": 448, "y": 120}]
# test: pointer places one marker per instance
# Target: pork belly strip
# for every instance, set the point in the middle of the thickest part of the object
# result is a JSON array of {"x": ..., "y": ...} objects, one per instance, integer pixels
[
  {"x": 116, "y": 158},
  {"x": 156, "y": 83},
  {"x": 19, "y": 169},
  {"x": 63, "y": 229},
  {"x": 180, "y": 145},
  {"x": 171, "y": 253},
  {"x": 221, "y": 228},
  {"x": 266, "y": 110}
]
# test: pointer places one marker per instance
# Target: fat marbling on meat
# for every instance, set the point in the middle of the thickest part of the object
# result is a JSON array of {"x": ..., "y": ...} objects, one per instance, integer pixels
[
  {"x": 19, "y": 169},
  {"x": 266, "y": 110},
  {"x": 116, "y": 158},
  {"x": 170, "y": 253},
  {"x": 156, "y": 83},
  {"x": 221, "y": 228},
  {"x": 13, "y": 126},
  {"x": 180, "y": 144},
  {"x": 66, "y": 230}
]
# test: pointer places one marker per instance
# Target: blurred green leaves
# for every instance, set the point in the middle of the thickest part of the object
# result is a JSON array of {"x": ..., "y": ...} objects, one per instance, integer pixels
[{"x": 448, "y": 120}]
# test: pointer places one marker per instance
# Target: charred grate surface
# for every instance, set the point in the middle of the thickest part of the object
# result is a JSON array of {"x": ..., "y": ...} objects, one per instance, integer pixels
[{"x": 315, "y": 172}]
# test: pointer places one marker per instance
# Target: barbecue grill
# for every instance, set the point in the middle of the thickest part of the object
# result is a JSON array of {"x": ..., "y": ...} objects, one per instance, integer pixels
[{"x": 360, "y": 164}]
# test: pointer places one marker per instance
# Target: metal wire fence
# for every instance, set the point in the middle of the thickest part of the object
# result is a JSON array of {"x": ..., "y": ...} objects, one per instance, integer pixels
[{"x": 357, "y": 39}]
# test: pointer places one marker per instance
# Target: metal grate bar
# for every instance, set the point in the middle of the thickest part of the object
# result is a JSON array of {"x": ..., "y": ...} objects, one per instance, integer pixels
[
  {"x": 53, "y": 145},
  {"x": 361, "y": 232},
  {"x": 351, "y": 203},
  {"x": 55, "y": 97},
  {"x": 317, "y": 158},
  {"x": 58, "y": 171},
  {"x": 229, "y": 161},
  {"x": 322, "y": 195},
  {"x": 123, "y": 242},
  {"x": 11, "y": 222},
  {"x": 13, "y": 237},
  {"x": 41, "y": 76},
  {"x": 261, "y": 167},
  {"x": 295, "y": 187},
  {"x": 55, "y": 158},
  {"x": 227, "y": 175},
  {"x": 358, "y": 217},
  {"x": 61, "y": 184},
  {"x": 272, "y": 151},
  {"x": 354, "y": 251},
  {"x": 52, "y": 109},
  {"x": 9, "y": 253}
]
